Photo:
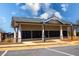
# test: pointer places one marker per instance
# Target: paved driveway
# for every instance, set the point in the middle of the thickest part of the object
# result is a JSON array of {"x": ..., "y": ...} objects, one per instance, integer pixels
[
  {"x": 1, "y": 52},
  {"x": 55, "y": 51}
]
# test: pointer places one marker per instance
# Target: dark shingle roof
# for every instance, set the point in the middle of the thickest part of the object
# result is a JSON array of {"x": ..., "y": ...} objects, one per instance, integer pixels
[
  {"x": 58, "y": 19},
  {"x": 24, "y": 19},
  {"x": 37, "y": 20},
  {"x": 65, "y": 22}
]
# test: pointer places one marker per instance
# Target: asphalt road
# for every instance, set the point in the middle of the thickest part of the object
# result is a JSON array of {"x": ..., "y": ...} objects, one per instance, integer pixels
[{"x": 57, "y": 51}]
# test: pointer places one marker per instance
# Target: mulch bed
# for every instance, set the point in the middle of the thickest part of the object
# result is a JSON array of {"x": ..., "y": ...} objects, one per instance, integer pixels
[{"x": 3, "y": 43}]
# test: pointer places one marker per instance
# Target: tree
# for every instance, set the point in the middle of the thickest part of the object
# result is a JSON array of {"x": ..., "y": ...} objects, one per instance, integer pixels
[
  {"x": 77, "y": 22},
  {"x": 1, "y": 30}
]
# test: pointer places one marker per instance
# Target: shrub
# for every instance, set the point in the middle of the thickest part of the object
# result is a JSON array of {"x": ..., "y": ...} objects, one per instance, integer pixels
[
  {"x": 8, "y": 40},
  {"x": 77, "y": 33}
]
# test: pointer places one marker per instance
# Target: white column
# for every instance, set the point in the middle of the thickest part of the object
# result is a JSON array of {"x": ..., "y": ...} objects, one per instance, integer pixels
[
  {"x": 19, "y": 34},
  {"x": 43, "y": 32},
  {"x": 61, "y": 33},
  {"x": 0, "y": 37},
  {"x": 14, "y": 40},
  {"x": 74, "y": 32}
]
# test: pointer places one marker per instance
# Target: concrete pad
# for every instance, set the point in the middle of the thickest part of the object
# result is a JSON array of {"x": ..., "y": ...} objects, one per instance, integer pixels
[
  {"x": 36, "y": 45},
  {"x": 29, "y": 43}
]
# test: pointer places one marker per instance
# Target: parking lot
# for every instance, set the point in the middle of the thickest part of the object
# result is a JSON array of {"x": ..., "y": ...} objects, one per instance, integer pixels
[{"x": 54, "y": 51}]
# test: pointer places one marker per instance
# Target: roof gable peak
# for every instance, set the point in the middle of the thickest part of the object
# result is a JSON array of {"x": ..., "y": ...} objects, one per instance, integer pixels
[{"x": 54, "y": 17}]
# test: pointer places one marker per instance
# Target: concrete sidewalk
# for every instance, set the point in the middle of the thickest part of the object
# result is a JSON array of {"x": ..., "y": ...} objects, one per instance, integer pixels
[{"x": 38, "y": 44}]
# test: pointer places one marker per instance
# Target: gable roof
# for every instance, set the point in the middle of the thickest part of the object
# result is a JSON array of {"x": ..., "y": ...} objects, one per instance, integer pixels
[
  {"x": 53, "y": 19},
  {"x": 24, "y": 19}
]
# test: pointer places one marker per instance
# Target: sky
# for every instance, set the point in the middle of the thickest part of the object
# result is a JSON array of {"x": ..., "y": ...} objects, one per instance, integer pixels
[{"x": 68, "y": 12}]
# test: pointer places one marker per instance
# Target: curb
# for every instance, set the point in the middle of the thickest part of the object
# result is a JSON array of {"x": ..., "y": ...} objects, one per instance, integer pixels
[
  {"x": 37, "y": 44},
  {"x": 25, "y": 45}
]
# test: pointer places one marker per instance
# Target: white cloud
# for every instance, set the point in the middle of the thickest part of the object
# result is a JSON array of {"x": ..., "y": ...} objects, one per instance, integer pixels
[
  {"x": 57, "y": 14},
  {"x": 47, "y": 6},
  {"x": 23, "y": 7},
  {"x": 64, "y": 7},
  {"x": 44, "y": 16},
  {"x": 34, "y": 6},
  {"x": 17, "y": 4},
  {"x": 47, "y": 14},
  {"x": 50, "y": 13},
  {"x": 13, "y": 13},
  {"x": 3, "y": 19}
]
